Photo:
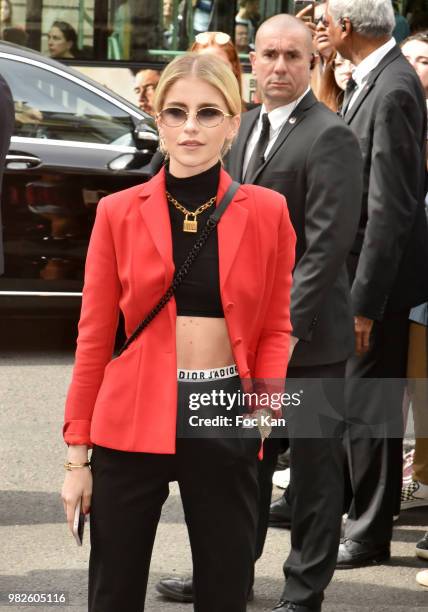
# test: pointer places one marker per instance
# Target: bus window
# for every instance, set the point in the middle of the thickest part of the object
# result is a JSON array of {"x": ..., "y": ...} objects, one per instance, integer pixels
[
  {"x": 143, "y": 30},
  {"x": 145, "y": 33},
  {"x": 64, "y": 30},
  {"x": 121, "y": 30}
]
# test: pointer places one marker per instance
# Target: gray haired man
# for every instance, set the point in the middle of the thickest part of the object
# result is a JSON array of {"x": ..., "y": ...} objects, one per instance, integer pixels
[{"x": 385, "y": 106}]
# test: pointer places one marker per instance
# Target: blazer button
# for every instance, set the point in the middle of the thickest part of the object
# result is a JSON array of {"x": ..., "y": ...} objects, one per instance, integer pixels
[
  {"x": 229, "y": 306},
  {"x": 237, "y": 341}
]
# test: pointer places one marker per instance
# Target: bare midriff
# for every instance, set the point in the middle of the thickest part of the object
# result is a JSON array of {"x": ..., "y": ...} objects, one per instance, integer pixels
[{"x": 202, "y": 343}]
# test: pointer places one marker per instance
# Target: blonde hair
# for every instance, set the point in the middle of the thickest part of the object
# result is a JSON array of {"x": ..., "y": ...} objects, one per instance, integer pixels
[{"x": 208, "y": 68}]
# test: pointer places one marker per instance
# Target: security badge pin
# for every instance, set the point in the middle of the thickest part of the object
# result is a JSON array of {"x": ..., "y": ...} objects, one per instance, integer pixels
[{"x": 292, "y": 120}]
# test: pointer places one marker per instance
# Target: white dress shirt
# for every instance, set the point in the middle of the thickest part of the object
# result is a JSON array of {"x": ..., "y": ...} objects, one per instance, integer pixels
[
  {"x": 277, "y": 119},
  {"x": 364, "y": 68}
]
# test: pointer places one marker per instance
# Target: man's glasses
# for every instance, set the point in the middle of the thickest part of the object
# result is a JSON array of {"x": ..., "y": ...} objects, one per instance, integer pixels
[
  {"x": 321, "y": 20},
  {"x": 208, "y": 38},
  {"x": 208, "y": 117}
]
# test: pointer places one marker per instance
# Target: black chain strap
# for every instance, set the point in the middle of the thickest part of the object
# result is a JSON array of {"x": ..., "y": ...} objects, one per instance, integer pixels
[{"x": 185, "y": 267}]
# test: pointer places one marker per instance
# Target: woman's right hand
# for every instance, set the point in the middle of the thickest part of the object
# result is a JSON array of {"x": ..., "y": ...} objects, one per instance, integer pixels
[
  {"x": 304, "y": 16},
  {"x": 77, "y": 485}
]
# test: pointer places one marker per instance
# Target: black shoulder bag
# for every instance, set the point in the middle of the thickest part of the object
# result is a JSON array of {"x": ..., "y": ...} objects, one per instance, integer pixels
[{"x": 184, "y": 269}]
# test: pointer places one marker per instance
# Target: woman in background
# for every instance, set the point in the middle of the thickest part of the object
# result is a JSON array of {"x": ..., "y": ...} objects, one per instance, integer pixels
[
  {"x": 220, "y": 44},
  {"x": 62, "y": 41},
  {"x": 15, "y": 34},
  {"x": 333, "y": 82}
]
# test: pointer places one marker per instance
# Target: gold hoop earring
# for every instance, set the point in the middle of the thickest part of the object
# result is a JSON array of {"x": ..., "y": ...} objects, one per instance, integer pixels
[{"x": 225, "y": 150}]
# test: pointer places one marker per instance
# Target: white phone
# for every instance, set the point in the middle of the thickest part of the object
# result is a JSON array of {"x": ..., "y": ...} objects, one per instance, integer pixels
[{"x": 79, "y": 523}]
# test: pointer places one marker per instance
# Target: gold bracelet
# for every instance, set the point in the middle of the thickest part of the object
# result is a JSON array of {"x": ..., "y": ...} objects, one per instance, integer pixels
[{"x": 69, "y": 465}]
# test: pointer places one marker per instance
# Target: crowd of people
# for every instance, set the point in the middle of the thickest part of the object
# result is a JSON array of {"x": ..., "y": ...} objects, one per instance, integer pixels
[{"x": 324, "y": 180}]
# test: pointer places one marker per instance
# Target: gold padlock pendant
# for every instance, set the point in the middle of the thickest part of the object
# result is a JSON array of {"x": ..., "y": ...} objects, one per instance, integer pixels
[{"x": 190, "y": 225}]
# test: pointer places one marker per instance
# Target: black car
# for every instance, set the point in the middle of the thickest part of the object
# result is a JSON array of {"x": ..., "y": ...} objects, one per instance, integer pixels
[{"x": 74, "y": 142}]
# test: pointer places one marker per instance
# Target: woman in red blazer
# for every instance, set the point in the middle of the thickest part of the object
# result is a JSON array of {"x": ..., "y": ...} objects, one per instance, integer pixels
[{"x": 227, "y": 323}]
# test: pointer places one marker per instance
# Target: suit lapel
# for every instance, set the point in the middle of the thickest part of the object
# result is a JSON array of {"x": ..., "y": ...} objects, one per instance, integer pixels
[
  {"x": 295, "y": 118},
  {"x": 349, "y": 115},
  {"x": 154, "y": 210},
  {"x": 371, "y": 82},
  {"x": 249, "y": 120}
]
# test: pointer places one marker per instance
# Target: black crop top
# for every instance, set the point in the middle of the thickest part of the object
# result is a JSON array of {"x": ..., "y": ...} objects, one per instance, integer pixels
[{"x": 199, "y": 293}]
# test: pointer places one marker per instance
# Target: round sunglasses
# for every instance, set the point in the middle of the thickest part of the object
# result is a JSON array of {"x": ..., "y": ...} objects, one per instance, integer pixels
[{"x": 208, "y": 116}]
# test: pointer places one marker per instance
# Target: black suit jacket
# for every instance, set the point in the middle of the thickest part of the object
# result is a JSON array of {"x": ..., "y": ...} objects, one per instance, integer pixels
[
  {"x": 316, "y": 164},
  {"x": 7, "y": 122},
  {"x": 389, "y": 260}
]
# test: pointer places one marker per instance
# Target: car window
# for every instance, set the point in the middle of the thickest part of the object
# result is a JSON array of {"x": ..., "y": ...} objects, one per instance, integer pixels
[{"x": 48, "y": 105}]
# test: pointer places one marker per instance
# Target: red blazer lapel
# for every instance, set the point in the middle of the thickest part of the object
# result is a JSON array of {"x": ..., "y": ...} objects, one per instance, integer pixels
[
  {"x": 230, "y": 228},
  {"x": 154, "y": 210}
]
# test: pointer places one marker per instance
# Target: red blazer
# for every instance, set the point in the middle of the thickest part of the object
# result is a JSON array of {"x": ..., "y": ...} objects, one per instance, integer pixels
[{"x": 130, "y": 403}]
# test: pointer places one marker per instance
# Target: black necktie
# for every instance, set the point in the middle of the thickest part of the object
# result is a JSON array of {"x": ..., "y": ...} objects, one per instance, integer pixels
[
  {"x": 257, "y": 159},
  {"x": 351, "y": 86}
]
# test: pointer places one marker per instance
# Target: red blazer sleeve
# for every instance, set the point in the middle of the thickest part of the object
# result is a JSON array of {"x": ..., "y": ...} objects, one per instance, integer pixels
[
  {"x": 97, "y": 329},
  {"x": 272, "y": 352}
]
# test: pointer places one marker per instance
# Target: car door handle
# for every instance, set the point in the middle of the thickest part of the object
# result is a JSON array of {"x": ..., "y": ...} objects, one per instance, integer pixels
[{"x": 17, "y": 161}]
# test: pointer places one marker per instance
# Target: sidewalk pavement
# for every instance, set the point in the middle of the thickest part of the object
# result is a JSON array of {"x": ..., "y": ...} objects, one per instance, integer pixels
[{"x": 39, "y": 554}]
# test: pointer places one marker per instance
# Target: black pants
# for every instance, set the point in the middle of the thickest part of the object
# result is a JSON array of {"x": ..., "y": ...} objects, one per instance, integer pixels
[
  {"x": 219, "y": 492},
  {"x": 375, "y": 405},
  {"x": 316, "y": 487}
]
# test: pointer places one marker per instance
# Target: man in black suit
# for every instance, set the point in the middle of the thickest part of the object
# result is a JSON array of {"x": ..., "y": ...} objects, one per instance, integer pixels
[
  {"x": 311, "y": 157},
  {"x": 385, "y": 107},
  {"x": 296, "y": 146},
  {"x": 7, "y": 122}
]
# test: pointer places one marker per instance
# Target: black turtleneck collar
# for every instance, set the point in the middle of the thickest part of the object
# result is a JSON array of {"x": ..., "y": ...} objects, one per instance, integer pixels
[{"x": 193, "y": 191}]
